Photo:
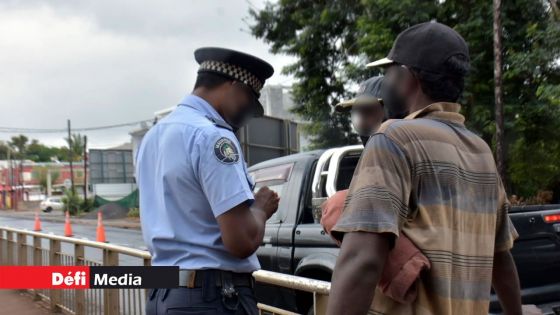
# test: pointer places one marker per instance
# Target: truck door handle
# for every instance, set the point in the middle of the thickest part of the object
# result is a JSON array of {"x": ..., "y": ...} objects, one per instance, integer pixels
[{"x": 298, "y": 232}]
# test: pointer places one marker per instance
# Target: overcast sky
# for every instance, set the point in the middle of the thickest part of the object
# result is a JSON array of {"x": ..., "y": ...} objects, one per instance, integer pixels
[{"x": 104, "y": 62}]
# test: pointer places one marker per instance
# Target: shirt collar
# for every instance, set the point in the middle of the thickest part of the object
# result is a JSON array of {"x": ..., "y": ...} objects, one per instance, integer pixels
[
  {"x": 198, "y": 103},
  {"x": 441, "y": 111}
]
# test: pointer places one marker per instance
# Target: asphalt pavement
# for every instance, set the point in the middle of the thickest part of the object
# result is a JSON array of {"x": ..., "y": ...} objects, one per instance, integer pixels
[{"x": 85, "y": 230}]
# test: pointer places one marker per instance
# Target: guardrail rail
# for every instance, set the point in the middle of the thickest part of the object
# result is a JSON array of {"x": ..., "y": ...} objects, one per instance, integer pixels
[{"x": 29, "y": 248}]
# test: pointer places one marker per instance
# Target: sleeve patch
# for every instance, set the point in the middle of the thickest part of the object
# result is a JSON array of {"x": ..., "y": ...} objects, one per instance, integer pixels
[{"x": 226, "y": 151}]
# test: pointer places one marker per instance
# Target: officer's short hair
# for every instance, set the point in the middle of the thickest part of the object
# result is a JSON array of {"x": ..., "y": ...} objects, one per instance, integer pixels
[
  {"x": 210, "y": 80},
  {"x": 445, "y": 88}
]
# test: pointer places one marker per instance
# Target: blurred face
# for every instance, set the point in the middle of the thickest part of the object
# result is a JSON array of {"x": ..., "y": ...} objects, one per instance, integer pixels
[
  {"x": 239, "y": 104},
  {"x": 397, "y": 90},
  {"x": 366, "y": 118}
]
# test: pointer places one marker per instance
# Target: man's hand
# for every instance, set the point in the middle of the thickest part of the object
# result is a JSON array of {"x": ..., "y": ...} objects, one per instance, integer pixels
[
  {"x": 242, "y": 227},
  {"x": 267, "y": 201}
]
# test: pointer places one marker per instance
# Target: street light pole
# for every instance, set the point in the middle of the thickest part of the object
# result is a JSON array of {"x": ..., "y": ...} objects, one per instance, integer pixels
[{"x": 70, "y": 157}]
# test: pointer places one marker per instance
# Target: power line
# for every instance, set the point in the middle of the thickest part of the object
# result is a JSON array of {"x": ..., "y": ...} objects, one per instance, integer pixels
[{"x": 63, "y": 130}]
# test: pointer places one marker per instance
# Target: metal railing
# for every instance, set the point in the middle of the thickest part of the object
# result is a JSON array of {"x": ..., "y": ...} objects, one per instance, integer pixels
[{"x": 28, "y": 248}]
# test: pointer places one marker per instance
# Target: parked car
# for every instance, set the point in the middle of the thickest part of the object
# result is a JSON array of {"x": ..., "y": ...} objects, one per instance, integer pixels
[
  {"x": 52, "y": 203},
  {"x": 295, "y": 243}
]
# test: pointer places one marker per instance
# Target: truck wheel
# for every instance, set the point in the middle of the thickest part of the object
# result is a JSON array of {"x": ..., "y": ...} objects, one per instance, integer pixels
[{"x": 49, "y": 209}]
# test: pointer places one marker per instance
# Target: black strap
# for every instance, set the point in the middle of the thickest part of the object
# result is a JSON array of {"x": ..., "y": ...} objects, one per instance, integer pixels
[{"x": 238, "y": 279}]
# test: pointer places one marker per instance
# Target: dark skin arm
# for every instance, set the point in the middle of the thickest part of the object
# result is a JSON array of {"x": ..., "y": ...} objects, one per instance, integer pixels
[
  {"x": 357, "y": 272},
  {"x": 242, "y": 227},
  {"x": 506, "y": 283}
]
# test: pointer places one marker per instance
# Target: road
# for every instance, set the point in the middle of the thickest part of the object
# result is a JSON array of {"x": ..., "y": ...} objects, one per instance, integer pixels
[{"x": 125, "y": 237}]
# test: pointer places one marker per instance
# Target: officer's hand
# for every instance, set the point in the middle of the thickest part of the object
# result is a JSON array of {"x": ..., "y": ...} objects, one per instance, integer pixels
[{"x": 267, "y": 200}]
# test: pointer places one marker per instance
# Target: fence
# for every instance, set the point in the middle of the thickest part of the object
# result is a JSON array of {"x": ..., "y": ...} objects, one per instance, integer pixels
[{"x": 26, "y": 248}]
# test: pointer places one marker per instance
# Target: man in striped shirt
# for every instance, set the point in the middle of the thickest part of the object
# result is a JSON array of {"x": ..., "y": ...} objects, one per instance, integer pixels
[{"x": 429, "y": 177}]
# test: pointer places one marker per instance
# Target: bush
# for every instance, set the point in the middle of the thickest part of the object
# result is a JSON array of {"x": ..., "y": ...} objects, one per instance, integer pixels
[
  {"x": 134, "y": 213},
  {"x": 72, "y": 202},
  {"x": 87, "y": 205}
]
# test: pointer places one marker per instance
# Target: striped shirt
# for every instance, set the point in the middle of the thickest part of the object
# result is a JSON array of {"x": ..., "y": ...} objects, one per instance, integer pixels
[{"x": 429, "y": 177}]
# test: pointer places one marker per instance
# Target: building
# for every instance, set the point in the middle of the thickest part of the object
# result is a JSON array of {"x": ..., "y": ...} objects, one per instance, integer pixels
[
  {"x": 112, "y": 172},
  {"x": 29, "y": 181},
  {"x": 282, "y": 136}
]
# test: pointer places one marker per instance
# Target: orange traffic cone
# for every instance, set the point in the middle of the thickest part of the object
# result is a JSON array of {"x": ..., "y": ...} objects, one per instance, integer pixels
[
  {"x": 100, "y": 228},
  {"x": 37, "y": 223},
  {"x": 67, "y": 227}
]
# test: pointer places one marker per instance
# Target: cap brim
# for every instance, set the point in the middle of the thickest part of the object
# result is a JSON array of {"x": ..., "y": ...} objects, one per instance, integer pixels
[
  {"x": 345, "y": 105},
  {"x": 380, "y": 63},
  {"x": 357, "y": 101}
]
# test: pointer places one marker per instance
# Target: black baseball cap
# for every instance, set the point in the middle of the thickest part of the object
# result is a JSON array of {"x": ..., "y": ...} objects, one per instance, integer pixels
[
  {"x": 236, "y": 65},
  {"x": 425, "y": 46},
  {"x": 368, "y": 93}
]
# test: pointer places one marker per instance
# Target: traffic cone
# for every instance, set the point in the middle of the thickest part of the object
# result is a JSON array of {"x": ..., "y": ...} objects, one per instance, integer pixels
[
  {"x": 67, "y": 226},
  {"x": 100, "y": 228},
  {"x": 37, "y": 223}
]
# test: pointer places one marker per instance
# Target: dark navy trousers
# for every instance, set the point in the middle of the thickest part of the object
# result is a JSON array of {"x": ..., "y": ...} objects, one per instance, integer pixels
[{"x": 201, "y": 301}]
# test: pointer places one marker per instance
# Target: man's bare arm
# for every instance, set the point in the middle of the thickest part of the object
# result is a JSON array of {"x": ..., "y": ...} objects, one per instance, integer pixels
[
  {"x": 506, "y": 283},
  {"x": 357, "y": 272},
  {"x": 242, "y": 227}
]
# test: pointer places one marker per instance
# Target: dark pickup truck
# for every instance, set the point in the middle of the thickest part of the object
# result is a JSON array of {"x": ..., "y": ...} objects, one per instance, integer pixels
[{"x": 295, "y": 243}]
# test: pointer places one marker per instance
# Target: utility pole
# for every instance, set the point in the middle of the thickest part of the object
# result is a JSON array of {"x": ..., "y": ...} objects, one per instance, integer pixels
[
  {"x": 85, "y": 168},
  {"x": 499, "y": 106},
  {"x": 70, "y": 157},
  {"x": 11, "y": 179}
]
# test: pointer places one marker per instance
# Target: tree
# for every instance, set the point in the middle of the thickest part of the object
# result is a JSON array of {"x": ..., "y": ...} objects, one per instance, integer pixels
[
  {"x": 333, "y": 40},
  {"x": 42, "y": 174},
  {"x": 4, "y": 148},
  {"x": 76, "y": 146},
  {"x": 19, "y": 143},
  {"x": 38, "y": 152}
]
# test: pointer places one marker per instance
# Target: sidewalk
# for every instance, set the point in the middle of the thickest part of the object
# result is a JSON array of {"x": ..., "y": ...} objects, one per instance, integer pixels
[
  {"x": 14, "y": 302},
  {"x": 58, "y": 216}
]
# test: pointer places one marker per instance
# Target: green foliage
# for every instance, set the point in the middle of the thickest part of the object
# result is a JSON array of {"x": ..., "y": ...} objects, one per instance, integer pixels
[
  {"x": 19, "y": 144},
  {"x": 35, "y": 151},
  {"x": 134, "y": 213},
  {"x": 75, "y": 148},
  {"x": 87, "y": 204},
  {"x": 72, "y": 202},
  {"x": 4, "y": 150},
  {"x": 38, "y": 152},
  {"x": 42, "y": 174},
  {"x": 333, "y": 40}
]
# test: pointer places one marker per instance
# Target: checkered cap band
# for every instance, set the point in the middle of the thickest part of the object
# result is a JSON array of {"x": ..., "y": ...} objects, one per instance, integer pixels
[{"x": 233, "y": 71}]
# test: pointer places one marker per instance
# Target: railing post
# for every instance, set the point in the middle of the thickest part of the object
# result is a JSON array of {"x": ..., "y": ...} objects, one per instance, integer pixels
[
  {"x": 320, "y": 303},
  {"x": 37, "y": 260},
  {"x": 147, "y": 262},
  {"x": 2, "y": 247},
  {"x": 80, "y": 297},
  {"x": 10, "y": 246},
  {"x": 54, "y": 260},
  {"x": 111, "y": 296},
  {"x": 22, "y": 251}
]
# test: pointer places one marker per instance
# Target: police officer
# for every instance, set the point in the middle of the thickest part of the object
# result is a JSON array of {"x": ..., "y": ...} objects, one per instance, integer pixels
[
  {"x": 198, "y": 210},
  {"x": 366, "y": 108}
]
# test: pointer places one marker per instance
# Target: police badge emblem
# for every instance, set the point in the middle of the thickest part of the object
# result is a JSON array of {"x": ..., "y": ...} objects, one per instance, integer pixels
[{"x": 225, "y": 151}]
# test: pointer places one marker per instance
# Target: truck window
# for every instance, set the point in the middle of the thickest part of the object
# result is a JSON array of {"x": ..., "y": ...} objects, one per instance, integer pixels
[
  {"x": 275, "y": 178},
  {"x": 346, "y": 171}
]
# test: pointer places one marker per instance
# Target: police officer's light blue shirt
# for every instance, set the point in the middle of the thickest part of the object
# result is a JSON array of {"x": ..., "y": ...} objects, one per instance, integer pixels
[{"x": 190, "y": 170}]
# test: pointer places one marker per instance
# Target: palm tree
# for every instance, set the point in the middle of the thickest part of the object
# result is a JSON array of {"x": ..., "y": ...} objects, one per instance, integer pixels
[
  {"x": 19, "y": 143},
  {"x": 76, "y": 147}
]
